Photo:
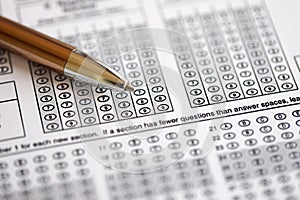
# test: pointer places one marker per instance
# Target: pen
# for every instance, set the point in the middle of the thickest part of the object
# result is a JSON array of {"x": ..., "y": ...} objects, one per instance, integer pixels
[{"x": 57, "y": 55}]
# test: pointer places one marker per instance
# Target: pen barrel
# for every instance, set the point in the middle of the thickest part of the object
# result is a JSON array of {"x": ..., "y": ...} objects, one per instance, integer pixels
[{"x": 34, "y": 45}]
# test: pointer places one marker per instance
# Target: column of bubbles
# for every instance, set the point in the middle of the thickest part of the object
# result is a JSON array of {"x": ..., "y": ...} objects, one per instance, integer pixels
[
  {"x": 5, "y": 62},
  {"x": 133, "y": 70},
  {"x": 45, "y": 96},
  {"x": 255, "y": 49},
  {"x": 241, "y": 63},
  {"x": 228, "y": 77},
  {"x": 103, "y": 97},
  {"x": 189, "y": 72},
  {"x": 83, "y": 92},
  {"x": 112, "y": 56},
  {"x": 272, "y": 46},
  {"x": 151, "y": 69}
]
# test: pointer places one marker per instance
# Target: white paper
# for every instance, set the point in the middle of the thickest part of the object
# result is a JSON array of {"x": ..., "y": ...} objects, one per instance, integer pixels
[{"x": 215, "y": 113}]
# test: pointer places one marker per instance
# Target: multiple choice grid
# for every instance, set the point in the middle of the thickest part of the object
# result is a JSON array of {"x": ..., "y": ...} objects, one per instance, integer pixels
[
  {"x": 32, "y": 177},
  {"x": 231, "y": 54},
  {"x": 66, "y": 104},
  {"x": 262, "y": 150}
]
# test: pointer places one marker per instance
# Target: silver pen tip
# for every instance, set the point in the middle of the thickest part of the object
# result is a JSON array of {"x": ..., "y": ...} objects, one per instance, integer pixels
[{"x": 128, "y": 87}]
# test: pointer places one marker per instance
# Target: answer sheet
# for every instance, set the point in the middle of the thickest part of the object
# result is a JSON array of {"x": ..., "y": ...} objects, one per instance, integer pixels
[{"x": 215, "y": 112}]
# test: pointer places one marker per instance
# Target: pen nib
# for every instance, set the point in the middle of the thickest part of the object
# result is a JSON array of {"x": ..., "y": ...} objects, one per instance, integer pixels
[{"x": 128, "y": 87}]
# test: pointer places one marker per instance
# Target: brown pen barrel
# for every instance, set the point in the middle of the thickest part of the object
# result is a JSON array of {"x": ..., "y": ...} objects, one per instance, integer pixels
[{"x": 34, "y": 45}]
